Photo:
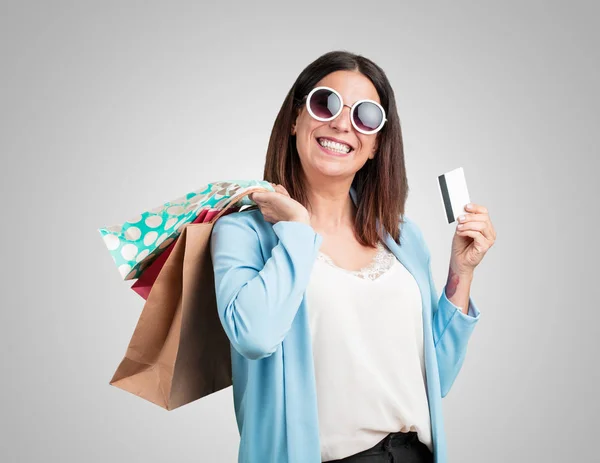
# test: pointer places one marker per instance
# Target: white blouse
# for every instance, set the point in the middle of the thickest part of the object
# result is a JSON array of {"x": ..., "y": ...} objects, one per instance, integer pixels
[{"x": 367, "y": 340}]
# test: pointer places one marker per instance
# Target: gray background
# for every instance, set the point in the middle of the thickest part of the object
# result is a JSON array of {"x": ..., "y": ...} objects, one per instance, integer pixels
[{"x": 111, "y": 108}]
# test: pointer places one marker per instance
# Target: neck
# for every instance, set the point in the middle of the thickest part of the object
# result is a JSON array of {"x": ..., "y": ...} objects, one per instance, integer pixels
[{"x": 330, "y": 206}]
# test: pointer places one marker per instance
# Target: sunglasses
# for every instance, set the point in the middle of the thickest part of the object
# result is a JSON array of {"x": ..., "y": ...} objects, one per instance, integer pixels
[{"x": 325, "y": 104}]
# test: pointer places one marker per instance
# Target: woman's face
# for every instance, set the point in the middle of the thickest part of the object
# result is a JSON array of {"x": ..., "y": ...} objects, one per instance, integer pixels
[{"x": 316, "y": 161}]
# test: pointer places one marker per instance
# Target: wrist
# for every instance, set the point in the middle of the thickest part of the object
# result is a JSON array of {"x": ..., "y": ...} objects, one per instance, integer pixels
[
  {"x": 463, "y": 273},
  {"x": 466, "y": 275}
]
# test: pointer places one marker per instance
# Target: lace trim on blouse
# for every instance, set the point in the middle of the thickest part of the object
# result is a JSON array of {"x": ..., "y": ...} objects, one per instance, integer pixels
[{"x": 383, "y": 261}]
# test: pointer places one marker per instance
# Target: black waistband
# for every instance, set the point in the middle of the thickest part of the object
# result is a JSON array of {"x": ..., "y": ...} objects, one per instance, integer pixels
[{"x": 398, "y": 438}]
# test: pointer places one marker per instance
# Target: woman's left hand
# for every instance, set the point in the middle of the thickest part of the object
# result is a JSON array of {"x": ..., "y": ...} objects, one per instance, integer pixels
[{"x": 474, "y": 235}]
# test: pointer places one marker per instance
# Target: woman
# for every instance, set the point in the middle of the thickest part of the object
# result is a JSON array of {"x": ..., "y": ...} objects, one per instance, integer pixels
[{"x": 341, "y": 349}]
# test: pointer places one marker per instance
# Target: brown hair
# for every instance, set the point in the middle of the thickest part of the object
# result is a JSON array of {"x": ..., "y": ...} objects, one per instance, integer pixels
[{"x": 381, "y": 184}]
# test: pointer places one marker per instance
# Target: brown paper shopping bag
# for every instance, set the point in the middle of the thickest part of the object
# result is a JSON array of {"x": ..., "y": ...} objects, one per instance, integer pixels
[{"x": 179, "y": 351}]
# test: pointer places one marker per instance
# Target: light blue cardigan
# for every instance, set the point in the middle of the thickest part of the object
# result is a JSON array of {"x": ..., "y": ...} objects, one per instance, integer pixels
[{"x": 261, "y": 272}]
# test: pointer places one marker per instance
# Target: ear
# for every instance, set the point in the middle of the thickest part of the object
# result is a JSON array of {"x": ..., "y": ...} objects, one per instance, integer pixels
[{"x": 295, "y": 118}]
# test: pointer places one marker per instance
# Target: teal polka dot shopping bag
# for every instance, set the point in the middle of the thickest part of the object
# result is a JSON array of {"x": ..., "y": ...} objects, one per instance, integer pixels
[{"x": 137, "y": 242}]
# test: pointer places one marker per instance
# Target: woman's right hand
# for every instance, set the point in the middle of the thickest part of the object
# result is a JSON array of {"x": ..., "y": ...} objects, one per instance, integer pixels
[{"x": 278, "y": 205}]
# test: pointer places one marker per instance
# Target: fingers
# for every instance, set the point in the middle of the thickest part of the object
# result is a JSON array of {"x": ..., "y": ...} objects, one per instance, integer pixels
[
  {"x": 479, "y": 221},
  {"x": 472, "y": 207},
  {"x": 262, "y": 196},
  {"x": 472, "y": 218},
  {"x": 280, "y": 189},
  {"x": 478, "y": 226},
  {"x": 257, "y": 196}
]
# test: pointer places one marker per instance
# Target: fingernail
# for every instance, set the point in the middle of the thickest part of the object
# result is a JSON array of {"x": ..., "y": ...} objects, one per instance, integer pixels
[{"x": 469, "y": 206}]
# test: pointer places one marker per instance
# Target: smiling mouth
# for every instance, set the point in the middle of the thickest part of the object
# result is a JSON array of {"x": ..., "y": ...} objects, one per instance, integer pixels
[{"x": 332, "y": 151}]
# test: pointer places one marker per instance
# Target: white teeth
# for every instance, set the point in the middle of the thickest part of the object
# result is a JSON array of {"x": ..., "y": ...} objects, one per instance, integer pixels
[{"x": 334, "y": 145}]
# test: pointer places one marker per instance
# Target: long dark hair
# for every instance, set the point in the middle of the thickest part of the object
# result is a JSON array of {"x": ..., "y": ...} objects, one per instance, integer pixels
[{"x": 381, "y": 184}]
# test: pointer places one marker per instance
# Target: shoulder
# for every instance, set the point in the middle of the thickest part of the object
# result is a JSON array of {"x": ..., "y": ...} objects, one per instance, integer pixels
[
  {"x": 238, "y": 235},
  {"x": 249, "y": 227},
  {"x": 247, "y": 235},
  {"x": 251, "y": 222}
]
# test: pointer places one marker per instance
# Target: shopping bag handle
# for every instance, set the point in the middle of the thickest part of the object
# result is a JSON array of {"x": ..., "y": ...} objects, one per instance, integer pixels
[{"x": 234, "y": 199}]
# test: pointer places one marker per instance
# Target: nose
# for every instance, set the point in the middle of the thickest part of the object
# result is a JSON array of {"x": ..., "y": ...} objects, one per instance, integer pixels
[{"x": 342, "y": 122}]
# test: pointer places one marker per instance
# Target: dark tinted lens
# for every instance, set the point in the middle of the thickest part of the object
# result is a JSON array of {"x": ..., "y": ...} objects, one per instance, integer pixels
[
  {"x": 368, "y": 116},
  {"x": 324, "y": 103}
]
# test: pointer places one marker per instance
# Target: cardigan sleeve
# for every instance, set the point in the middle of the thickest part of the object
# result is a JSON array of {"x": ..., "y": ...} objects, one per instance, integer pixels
[
  {"x": 257, "y": 300},
  {"x": 451, "y": 332},
  {"x": 451, "y": 329}
]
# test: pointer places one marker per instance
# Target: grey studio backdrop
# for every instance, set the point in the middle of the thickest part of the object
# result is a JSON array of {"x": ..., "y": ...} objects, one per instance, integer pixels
[{"x": 110, "y": 108}]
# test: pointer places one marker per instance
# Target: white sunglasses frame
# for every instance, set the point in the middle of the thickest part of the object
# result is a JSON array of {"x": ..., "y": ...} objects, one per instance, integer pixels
[{"x": 352, "y": 108}]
